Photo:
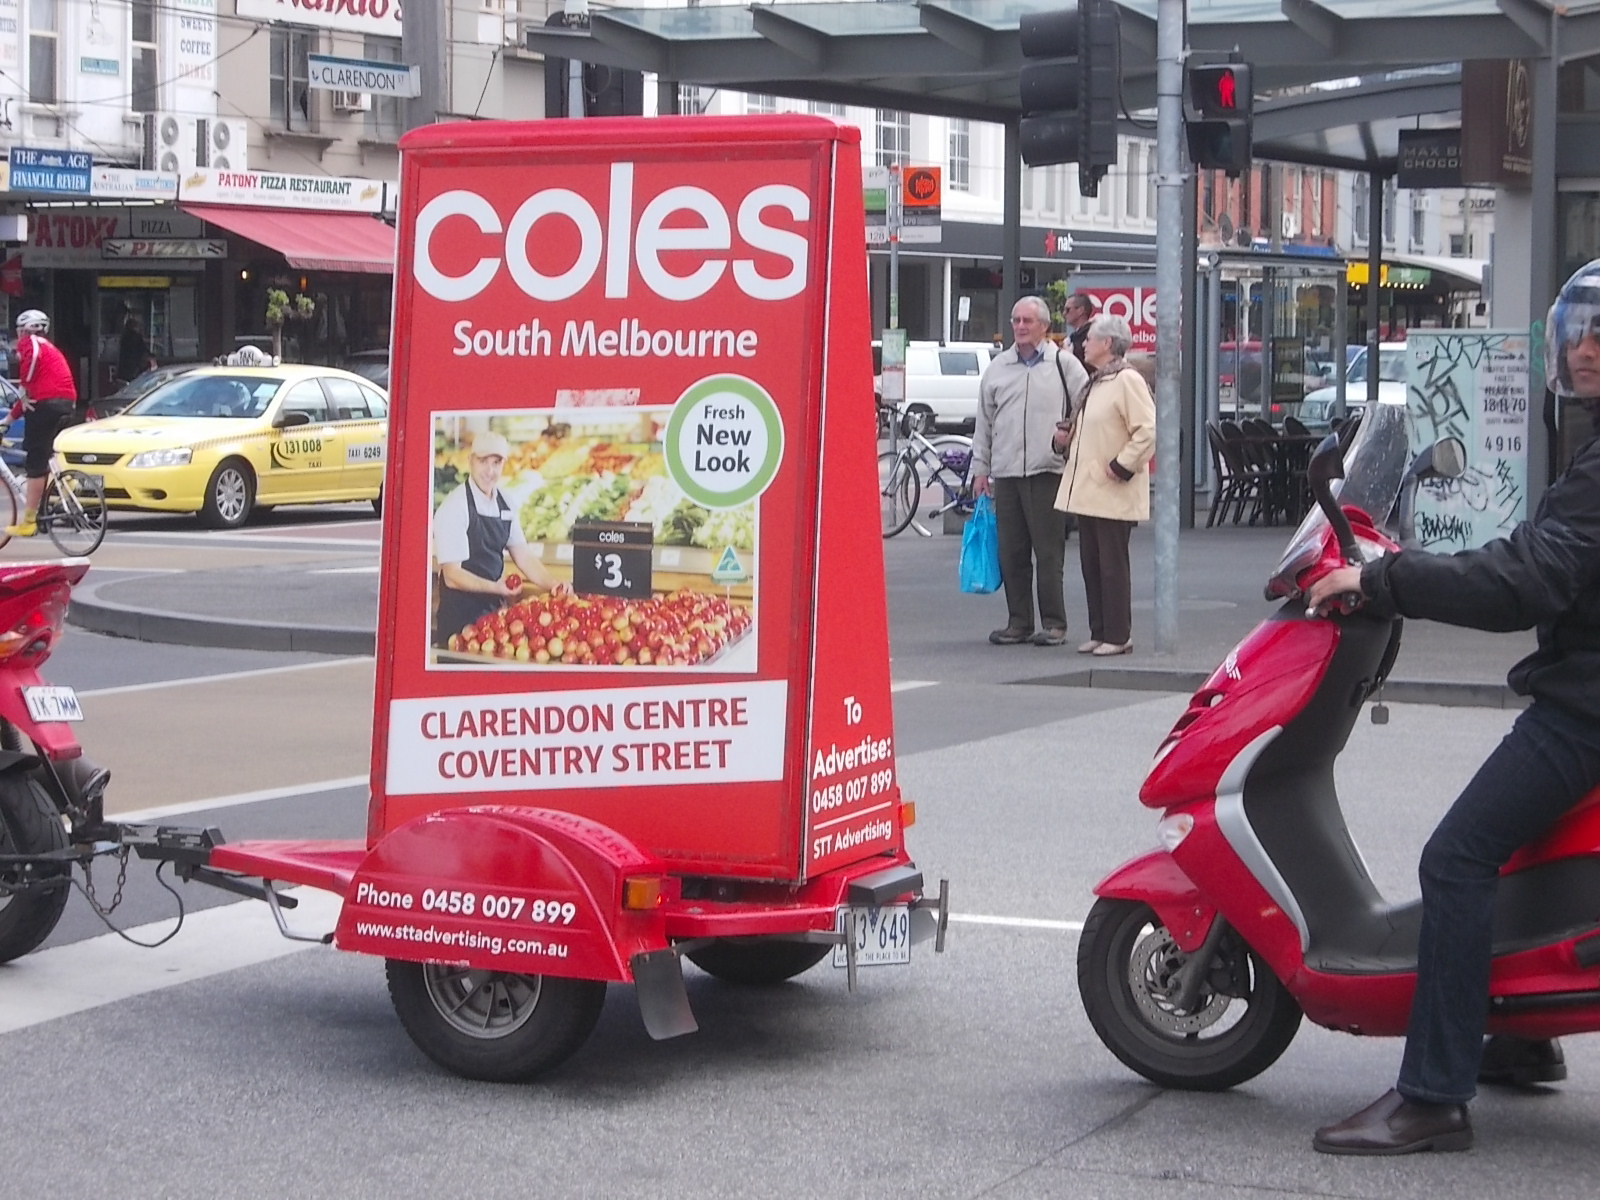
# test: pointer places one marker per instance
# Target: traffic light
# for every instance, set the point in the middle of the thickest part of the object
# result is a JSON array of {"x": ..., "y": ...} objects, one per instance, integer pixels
[
  {"x": 1217, "y": 107},
  {"x": 607, "y": 91},
  {"x": 1069, "y": 89}
]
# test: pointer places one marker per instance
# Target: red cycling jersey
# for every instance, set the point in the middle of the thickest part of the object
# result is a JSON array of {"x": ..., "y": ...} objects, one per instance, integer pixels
[{"x": 43, "y": 370}]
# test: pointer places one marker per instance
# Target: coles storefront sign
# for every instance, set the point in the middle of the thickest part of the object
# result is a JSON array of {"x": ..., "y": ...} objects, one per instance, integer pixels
[
  {"x": 1133, "y": 301},
  {"x": 628, "y": 345},
  {"x": 381, "y": 17}
]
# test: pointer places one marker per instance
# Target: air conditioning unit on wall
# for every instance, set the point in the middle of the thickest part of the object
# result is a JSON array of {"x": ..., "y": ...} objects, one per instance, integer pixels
[
  {"x": 1291, "y": 225},
  {"x": 171, "y": 142},
  {"x": 352, "y": 102},
  {"x": 226, "y": 144}
]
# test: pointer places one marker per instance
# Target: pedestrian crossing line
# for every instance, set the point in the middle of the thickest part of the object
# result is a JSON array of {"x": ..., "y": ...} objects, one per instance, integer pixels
[
  {"x": 1017, "y": 922},
  {"x": 907, "y": 685},
  {"x": 372, "y": 570},
  {"x": 81, "y": 976}
]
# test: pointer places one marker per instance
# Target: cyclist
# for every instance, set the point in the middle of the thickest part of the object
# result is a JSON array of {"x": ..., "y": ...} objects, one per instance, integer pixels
[{"x": 49, "y": 397}]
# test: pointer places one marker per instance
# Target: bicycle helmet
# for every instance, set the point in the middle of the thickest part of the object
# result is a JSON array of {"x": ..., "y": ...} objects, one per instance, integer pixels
[
  {"x": 33, "y": 321},
  {"x": 1574, "y": 316}
]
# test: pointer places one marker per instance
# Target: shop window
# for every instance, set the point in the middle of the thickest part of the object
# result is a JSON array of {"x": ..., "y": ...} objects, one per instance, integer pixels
[
  {"x": 893, "y": 129},
  {"x": 44, "y": 41},
  {"x": 289, "y": 77},
  {"x": 960, "y": 179},
  {"x": 144, "y": 59},
  {"x": 386, "y": 119}
]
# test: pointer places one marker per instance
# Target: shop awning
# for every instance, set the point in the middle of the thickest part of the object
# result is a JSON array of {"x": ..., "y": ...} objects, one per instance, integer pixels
[{"x": 311, "y": 241}]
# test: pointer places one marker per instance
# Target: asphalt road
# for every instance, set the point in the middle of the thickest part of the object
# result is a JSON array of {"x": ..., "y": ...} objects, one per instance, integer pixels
[{"x": 230, "y": 1059}]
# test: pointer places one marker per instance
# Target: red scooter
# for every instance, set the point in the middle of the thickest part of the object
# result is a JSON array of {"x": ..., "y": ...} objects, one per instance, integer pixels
[{"x": 1199, "y": 959}]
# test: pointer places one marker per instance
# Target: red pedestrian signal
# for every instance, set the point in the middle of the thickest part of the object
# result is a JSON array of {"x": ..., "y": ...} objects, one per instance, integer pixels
[
  {"x": 1217, "y": 109},
  {"x": 1225, "y": 94}
]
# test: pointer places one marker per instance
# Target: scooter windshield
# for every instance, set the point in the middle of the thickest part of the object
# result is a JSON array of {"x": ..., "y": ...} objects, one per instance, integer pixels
[{"x": 1374, "y": 466}]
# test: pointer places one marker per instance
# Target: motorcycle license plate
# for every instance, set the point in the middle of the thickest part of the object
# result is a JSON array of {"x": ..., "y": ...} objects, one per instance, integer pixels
[
  {"x": 883, "y": 936},
  {"x": 52, "y": 703}
]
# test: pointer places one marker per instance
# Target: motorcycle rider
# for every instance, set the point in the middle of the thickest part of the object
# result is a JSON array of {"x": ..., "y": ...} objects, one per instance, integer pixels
[
  {"x": 1545, "y": 575},
  {"x": 49, "y": 397}
]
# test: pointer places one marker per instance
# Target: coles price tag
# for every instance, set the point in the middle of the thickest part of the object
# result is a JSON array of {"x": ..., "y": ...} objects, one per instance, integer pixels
[{"x": 612, "y": 558}]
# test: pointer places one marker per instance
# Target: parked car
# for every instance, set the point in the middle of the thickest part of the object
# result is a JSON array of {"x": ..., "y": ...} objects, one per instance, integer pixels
[
  {"x": 1317, "y": 409},
  {"x": 942, "y": 381},
  {"x": 221, "y": 441},
  {"x": 140, "y": 385},
  {"x": 369, "y": 364}
]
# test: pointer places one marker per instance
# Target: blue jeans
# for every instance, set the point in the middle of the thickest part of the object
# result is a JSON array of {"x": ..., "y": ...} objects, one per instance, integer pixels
[{"x": 1542, "y": 767}]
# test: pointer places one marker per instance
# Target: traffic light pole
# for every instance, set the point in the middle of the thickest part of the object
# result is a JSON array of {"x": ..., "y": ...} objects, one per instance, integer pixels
[{"x": 1165, "y": 510}]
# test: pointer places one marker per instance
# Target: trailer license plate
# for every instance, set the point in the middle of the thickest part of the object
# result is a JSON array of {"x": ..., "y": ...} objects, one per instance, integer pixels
[
  {"x": 883, "y": 936},
  {"x": 52, "y": 703}
]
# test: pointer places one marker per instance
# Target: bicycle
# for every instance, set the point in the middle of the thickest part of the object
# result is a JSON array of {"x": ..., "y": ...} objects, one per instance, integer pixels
[
  {"x": 904, "y": 474},
  {"x": 72, "y": 509}
]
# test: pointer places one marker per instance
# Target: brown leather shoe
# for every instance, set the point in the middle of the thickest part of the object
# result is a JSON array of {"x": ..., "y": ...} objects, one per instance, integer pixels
[
  {"x": 1010, "y": 636},
  {"x": 1521, "y": 1062},
  {"x": 1391, "y": 1124}
]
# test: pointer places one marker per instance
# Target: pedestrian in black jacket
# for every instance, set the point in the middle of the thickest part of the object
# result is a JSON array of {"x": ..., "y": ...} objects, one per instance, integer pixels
[{"x": 1546, "y": 575}]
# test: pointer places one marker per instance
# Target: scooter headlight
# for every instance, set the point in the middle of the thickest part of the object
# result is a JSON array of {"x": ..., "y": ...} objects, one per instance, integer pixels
[{"x": 1172, "y": 830}]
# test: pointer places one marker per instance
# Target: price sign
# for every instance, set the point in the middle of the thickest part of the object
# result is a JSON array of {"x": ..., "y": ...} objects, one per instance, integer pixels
[{"x": 611, "y": 558}]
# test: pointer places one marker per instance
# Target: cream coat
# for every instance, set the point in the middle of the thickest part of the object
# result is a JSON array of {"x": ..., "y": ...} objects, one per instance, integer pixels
[{"x": 1117, "y": 421}]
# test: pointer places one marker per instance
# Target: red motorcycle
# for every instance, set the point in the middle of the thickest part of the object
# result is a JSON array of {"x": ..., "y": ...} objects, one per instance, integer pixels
[{"x": 1199, "y": 959}]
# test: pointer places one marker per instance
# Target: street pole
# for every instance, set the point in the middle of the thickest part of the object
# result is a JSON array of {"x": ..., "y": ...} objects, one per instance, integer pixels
[
  {"x": 422, "y": 45},
  {"x": 1169, "y": 287},
  {"x": 893, "y": 217}
]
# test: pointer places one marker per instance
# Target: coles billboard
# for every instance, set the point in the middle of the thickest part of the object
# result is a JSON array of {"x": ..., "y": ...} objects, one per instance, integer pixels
[
  {"x": 632, "y": 555},
  {"x": 1131, "y": 297}
]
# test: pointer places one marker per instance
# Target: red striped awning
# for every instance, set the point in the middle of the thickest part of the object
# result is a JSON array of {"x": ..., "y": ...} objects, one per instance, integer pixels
[{"x": 311, "y": 241}]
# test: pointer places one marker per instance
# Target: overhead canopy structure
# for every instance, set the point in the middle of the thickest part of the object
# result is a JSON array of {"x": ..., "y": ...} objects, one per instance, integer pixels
[{"x": 961, "y": 58}]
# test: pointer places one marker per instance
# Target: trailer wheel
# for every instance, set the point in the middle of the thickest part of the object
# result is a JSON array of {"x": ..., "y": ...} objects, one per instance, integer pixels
[
  {"x": 493, "y": 1025},
  {"x": 757, "y": 963},
  {"x": 29, "y": 824}
]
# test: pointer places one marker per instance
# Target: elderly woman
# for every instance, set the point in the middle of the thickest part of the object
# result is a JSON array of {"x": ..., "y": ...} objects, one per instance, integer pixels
[{"x": 1106, "y": 482}]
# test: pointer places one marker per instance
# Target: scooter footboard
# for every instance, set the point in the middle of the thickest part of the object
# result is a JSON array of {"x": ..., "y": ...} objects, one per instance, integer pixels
[
  {"x": 529, "y": 891},
  {"x": 1156, "y": 879}
]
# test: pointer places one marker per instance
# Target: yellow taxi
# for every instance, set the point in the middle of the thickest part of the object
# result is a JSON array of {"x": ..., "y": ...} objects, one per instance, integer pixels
[{"x": 222, "y": 441}]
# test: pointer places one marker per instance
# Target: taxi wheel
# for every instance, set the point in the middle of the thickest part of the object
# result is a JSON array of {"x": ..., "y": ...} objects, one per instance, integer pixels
[
  {"x": 493, "y": 1025},
  {"x": 377, "y": 503},
  {"x": 757, "y": 963},
  {"x": 229, "y": 495}
]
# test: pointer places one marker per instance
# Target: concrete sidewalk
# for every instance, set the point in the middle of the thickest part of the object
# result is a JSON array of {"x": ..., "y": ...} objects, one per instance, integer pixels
[{"x": 326, "y": 601}]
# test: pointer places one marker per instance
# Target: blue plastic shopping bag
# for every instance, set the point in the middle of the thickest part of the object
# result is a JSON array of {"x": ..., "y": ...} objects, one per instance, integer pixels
[{"x": 980, "y": 550}]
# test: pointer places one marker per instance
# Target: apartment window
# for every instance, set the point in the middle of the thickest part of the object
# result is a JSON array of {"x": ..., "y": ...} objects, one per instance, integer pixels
[
  {"x": 43, "y": 41},
  {"x": 821, "y": 108},
  {"x": 386, "y": 119},
  {"x": 1458, "y": 245},
  {"x": 1391, "y": 198},
  {"x": 144, "y": 59},
  {"x": 1132, "y": 190},
  {"x": 1316, "y": 204},
  {"x": 1419, "y": 220},
  {"x": 289, "y": 77},
  {"x": 893, "y": 137},
  {"x": 757, "y": 103},
  {"x": 960, "y": 174},
  {"x": 1151, "y": 204},
  {"x": 1028, "y": 174},
  {"x": 1104, "y": 206},
  {"x": 1359, "y": 220}
]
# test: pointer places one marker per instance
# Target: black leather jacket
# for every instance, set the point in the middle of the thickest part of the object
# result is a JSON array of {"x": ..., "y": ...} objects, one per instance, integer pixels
[{"x": 1545, "y": 575}]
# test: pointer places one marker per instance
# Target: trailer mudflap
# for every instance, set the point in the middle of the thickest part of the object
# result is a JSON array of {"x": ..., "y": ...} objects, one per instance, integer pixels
[{"x": 526, "y": 890}]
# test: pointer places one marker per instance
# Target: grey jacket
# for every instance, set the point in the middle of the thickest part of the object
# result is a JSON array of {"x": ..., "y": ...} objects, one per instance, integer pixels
[{"x": 1018, "y": 408}]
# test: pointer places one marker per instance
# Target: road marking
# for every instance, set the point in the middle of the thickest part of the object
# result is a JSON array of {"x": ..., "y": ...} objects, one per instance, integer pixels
[
  {"x": 906, "y": 685},
  {"x": 241, "y": 798},
  {"x": 103, "y": 970},
  {"x": 1017, "y": 922},
  {"x": 372, "y": 570},
  {"x": 224, "y": 678}
]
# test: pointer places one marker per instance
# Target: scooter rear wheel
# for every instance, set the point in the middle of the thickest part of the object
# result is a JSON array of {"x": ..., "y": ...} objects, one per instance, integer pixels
[
  {"x": 493, "y": 1025},
  {"x": 1128, "y": 964},
  {"x": 30, "y": 824}
]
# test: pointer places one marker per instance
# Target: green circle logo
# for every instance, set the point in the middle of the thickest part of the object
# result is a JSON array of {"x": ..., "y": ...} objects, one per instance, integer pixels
[{"x": 724, "y": 441}]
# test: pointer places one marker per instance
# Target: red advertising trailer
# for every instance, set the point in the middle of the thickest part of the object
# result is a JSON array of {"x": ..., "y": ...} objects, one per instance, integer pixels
[{"x": 633, "y": 697}]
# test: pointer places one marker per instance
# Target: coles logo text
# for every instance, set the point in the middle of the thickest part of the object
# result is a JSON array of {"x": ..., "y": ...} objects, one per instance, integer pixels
[{"x": 673, "y": 244}]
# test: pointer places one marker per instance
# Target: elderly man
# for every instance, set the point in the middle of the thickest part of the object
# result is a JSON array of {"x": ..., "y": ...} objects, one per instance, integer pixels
[
  {"x": 474, "y": 529},
  {"x": 1024, "y": 392}
]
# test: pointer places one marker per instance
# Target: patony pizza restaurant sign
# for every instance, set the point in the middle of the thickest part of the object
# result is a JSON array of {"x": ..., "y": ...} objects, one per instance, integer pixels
[
  {"x": 268, "y": 189},
  {"x": 381, "y": 17}
]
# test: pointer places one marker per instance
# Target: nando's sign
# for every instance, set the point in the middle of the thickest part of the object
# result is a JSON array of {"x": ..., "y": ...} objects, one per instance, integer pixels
[{"x": 351, "y": 16}]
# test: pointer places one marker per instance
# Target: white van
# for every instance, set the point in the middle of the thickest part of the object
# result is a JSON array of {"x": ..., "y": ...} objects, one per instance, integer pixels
[{"x": 941, "y": 381}]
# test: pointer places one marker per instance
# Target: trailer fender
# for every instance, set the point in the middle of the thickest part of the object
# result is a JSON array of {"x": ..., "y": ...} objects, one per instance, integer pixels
[
  {"x": 525, "y": 890},
  {"x": 1156, "y": 879}
]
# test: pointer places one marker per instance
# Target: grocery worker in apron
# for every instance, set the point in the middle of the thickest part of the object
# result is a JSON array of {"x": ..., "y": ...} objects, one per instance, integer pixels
[{"x": 473, "y": 530}]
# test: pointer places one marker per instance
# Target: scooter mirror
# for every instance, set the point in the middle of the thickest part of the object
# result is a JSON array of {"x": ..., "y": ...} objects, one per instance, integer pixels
[
  {"x": 1449, "y": 458},
  {"x": 1326, "y": 465}
]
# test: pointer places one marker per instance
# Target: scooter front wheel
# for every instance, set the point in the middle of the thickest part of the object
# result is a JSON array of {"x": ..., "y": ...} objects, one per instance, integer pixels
[
  {"x": 1129, "y": 975},
  {"x": 493, "y": 1025}
]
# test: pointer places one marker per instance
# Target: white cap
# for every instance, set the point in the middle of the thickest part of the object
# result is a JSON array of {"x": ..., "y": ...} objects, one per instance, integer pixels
[{"x": 487, "y": 443}]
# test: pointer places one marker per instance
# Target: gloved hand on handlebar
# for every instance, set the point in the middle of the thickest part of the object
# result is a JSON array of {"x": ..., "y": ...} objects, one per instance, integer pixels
[{"x": 1339, "y": 589}]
